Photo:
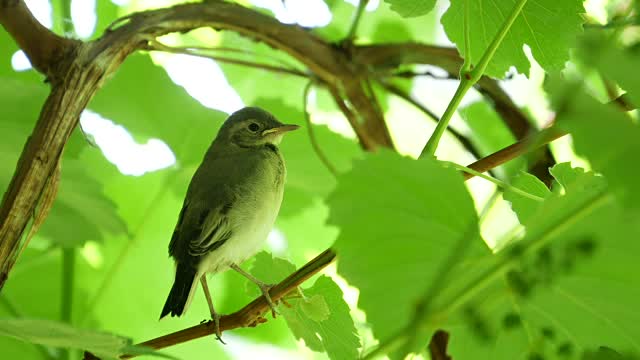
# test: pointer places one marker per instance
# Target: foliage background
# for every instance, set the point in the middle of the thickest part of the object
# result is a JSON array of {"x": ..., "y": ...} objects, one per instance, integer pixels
[{"x": 118, "y": 225}]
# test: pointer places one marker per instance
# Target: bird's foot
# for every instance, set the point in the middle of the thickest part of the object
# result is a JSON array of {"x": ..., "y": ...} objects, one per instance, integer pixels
[
  {"x": 216, "y": 323},
  {"x": 264, "y": 288}
]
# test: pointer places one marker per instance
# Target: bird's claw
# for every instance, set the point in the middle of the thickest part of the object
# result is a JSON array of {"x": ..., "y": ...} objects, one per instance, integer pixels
[
  {"x": 265, "y": 292},
  {"x": 216, "y": 324}
]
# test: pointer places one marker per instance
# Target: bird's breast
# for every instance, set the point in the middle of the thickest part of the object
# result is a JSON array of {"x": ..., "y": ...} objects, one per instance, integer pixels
[{"x": 253, "y": 214}]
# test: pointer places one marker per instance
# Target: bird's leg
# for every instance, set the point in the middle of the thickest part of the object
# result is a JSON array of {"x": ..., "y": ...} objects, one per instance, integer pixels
[
  {"x": 264, "y": 288},
  {"x": 214, "y": 315}
]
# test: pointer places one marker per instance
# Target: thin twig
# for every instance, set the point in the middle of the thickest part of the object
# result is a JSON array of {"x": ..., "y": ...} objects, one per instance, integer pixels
[
  {"x": 155, "y": 45},
  {"x": 352, "y": 117},
  {"x": 312, "y": 137},
  {"x": 231, "y": 49}
]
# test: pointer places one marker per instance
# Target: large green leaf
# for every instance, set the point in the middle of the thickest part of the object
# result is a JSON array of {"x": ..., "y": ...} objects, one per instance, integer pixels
[
  {"x": 523, "y": 206},
  {"x": 569, "y": 287},
  {"x": 548, "y": 27},
  {"x": 399, "y": 219}
]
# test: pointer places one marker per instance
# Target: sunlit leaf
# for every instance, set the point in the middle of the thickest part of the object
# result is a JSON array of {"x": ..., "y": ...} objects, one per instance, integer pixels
[
  {"x": 523, "y": 206},
  {"x": 548, "y": 27},
  {"x": 399, "y": 220}
]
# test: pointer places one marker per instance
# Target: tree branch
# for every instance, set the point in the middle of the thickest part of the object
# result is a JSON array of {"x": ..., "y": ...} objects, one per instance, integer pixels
[
  {"x": 248, "y": 316},
  {"x": 513, "y": 151},
  {"x": 43, "y": 48}
]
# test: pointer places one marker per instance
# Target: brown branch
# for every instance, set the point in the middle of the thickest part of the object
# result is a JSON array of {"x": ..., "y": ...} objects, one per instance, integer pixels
[
  {"x": 512, "y": 151},
  {"x": 248, "y": 316},
  {"x": 43, "y": 48},
  {"x": 352, "y": 118}
]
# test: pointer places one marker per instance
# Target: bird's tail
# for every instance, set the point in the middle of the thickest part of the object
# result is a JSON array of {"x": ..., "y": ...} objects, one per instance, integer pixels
[{"x": 181, "y": 291}]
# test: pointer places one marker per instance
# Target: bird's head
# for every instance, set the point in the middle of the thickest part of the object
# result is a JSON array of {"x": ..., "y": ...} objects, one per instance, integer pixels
[{"x": 252, "y": 127}]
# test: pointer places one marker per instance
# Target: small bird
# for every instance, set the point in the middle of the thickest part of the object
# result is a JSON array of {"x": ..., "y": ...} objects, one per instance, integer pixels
[{"x": 230, "y": 207}]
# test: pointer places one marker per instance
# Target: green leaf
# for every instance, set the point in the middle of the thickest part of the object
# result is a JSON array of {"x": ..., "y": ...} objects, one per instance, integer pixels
[
  {"x": 52, "y": 333},
  {"x": 399, "y": 219},
  {"x": 411, "y": 8},
  {"x": 548, "y": 27},
  {"x": 167, "y": 112},
  {"x": 490, "y": 134},
  {"x": 607, "y": 137},
  {"x": 322, "y": 320},
  {"x": 315, "y": 308},
  {"x": 268, "y": 269},
  {"x": 568, "y": 288},
  {"x": 523, "y": 206}
]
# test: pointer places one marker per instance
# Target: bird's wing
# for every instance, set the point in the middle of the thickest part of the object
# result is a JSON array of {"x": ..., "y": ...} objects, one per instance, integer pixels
[
  {"x": 202, "y": 226},
  {"x": 215, "y": 230}
]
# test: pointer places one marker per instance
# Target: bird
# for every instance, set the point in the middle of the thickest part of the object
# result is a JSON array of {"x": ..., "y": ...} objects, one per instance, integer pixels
[{"x": 230, "y": 207}]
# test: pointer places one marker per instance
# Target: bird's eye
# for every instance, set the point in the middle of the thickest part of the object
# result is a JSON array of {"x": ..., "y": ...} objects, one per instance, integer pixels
[{"x": 253, "y": 127}]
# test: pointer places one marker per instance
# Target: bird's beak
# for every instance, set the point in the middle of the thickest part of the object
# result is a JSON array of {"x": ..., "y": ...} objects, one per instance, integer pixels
[{"x": 280, "y": 129}]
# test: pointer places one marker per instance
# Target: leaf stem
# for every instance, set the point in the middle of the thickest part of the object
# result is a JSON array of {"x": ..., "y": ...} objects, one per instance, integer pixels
[
  {"x": 468, "y": 79},
  {"x": 362, "y": 4},
  {"x": 466, "y": 65},
  {"x": 498, "y": 183}
]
